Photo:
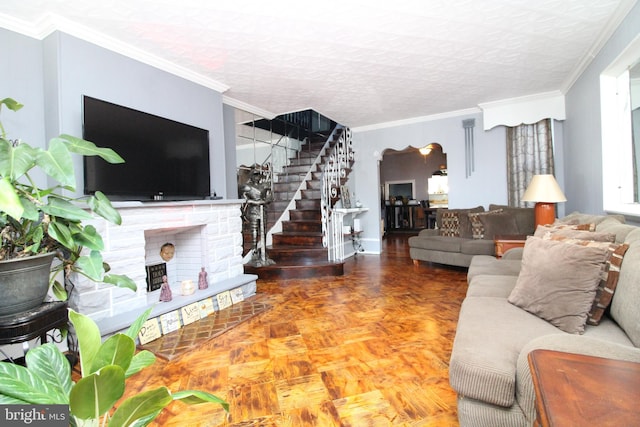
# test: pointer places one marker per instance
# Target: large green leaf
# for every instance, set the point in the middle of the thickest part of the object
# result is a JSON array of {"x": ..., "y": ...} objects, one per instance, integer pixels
[
  {"x": 49, "y": 363},
  {"x": 16, "y": 161},
  {"x": 57, "y": 162},
  {"x": 11, "y": 104},
  {"x": 140, "y": 361},
  {"x": 30, "y": 210},
  {"x": 136, "y": 326},
  {"x": 101, "y": 205},
  {"x": 88, "y": 148},
  {"x": 60, "y": 232},
  {"x": 196, "y": 397},
  {"x": 117, "y": 350},
  {"x": 63, "y": 208},
  {"x": 89, "y": 339},
  {"x": 91, "y": 266},
  {"x": 94, "y": 395},
  {"x": 141, "y": 406},
  {"x": 89, "y": 237},
  {"x": 120, "y": 281},
  {"x": 9, "y": 200},
  {"x": 18, "y": 382}
]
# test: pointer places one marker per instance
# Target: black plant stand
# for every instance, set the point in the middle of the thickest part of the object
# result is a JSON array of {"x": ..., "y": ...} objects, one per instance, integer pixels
[{"x": 27, "y": 325}]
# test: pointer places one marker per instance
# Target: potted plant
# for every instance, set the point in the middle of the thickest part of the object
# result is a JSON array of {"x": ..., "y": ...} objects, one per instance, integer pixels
[
  {"x": 41, "y": 222},
  {"x": 105, "y": 366}
]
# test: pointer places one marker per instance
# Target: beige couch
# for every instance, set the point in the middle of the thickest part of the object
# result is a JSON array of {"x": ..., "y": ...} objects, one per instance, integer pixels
[
  {"x": 488, "y": 367},
  {"x": 462, "y": 234}
]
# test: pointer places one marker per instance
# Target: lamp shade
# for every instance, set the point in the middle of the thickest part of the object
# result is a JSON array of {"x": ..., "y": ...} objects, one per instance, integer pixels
[{"x": 544, "y": 188}]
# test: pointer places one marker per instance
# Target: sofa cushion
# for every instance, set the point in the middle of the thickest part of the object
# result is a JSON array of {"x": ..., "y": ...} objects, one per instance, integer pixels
[
  {"x": 459, "y": 217},
  {"x": 450, "y": 221},
  {"x": 477, "y": 228},
  {"x": 487, "y": 345},
  {"x": 491, "y": 285},
  {"x": 581, "y": 218},
  {"x": 484, "y": 264},
  {"x": 437, "y": 243},
  {"x": 499, "y": 223},
  {"x": 558, "y": 280},
  {"x": 525, "y": 217},
  {"x": 560, "y": 233},
  {"x": 624, "y": 306},
  {"x": 478, "y": 247},
  {"x": 608, "y": 284}
]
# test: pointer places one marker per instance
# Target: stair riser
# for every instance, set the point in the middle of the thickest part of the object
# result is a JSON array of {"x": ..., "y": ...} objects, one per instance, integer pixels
[
  {"x": 301, "y": 226},
  {"x": 296, "y": 240},
  {"x": 308, "y": 204},
  {"x": 301, "y": 215}
]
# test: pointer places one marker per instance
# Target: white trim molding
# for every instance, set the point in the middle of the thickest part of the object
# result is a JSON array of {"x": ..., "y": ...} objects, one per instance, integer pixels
[{"x": 527, "y": 109}]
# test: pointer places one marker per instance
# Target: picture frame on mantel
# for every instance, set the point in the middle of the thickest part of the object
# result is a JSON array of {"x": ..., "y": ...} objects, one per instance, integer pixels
[{"x": 345, "y": 197}]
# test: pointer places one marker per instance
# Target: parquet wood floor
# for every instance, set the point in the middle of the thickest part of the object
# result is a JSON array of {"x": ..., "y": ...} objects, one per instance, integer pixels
[{"x": 370, "y": 348}]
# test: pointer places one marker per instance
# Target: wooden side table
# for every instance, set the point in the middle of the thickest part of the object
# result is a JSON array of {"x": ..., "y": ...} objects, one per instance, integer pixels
[
  {"x": 504, "y": 242},
  {"x": 577, "y": 390}
]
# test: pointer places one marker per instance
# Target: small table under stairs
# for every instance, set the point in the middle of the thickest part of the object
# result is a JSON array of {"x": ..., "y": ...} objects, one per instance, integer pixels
[{"x": 336, "y": 249}]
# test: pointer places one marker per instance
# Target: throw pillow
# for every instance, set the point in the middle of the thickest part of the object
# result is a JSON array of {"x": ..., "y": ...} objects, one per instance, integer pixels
[
  {"x": 558, "y": 281},
  {"x": 450, "y": 224},
  {"x": 477, "y": 228},
  {"x": 553, "y": 233},
  {"x": 607, "y": 286},
  {"x": 499, "y": 223}
]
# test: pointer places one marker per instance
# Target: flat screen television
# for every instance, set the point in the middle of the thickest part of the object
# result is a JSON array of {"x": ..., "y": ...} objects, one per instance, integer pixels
[{"x": 164, "y": 159}]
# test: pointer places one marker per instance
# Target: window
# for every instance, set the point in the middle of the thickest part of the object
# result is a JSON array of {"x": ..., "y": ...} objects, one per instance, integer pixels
[{"x": 620, "y": 98}]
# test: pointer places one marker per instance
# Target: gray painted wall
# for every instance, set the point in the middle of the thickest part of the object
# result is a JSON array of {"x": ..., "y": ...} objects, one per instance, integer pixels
[
  {"x": 583, "y": 132},
  {"x": 51, "y": 76},
  {"x": 487, "y": 184}
]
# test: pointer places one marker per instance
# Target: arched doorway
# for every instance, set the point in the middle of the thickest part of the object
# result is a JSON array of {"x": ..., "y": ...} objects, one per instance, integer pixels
[{"x": 405, "y": 176}]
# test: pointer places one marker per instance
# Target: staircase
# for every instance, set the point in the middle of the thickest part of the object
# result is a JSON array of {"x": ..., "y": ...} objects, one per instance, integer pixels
[{"x": 298, "y": 249}]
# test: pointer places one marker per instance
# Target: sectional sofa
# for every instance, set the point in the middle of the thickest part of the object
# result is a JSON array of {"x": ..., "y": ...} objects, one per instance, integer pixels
[
  {"x": 547, "y": 295},
  {"x": 463, "y": 233}
]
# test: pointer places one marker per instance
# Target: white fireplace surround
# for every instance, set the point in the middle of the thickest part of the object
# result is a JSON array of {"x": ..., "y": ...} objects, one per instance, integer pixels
[{"x": 206, "y": 233}]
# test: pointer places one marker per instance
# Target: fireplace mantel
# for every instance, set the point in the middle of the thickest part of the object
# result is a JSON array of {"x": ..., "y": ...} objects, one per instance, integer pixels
[{"x": 206, "y": 233}]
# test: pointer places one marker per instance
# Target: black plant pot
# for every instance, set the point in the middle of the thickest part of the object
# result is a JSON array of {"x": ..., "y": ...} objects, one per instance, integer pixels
[{"x": 24, "y": 283}]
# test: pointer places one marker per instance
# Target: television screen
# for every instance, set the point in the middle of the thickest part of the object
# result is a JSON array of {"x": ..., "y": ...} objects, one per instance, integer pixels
[{"x": 162, "y": 157}]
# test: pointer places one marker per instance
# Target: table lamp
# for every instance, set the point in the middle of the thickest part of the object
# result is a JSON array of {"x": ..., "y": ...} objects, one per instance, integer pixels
[{"x": 545, "y": 191}]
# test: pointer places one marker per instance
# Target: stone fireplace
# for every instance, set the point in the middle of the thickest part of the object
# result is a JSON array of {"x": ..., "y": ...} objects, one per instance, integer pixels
[{"x": 206, "y": 233}]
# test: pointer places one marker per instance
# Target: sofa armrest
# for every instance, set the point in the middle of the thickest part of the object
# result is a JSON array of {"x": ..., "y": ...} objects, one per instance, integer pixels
[
  {"x": 428, "y": 232},
  {"x": 580, "y": 344},
  {"x": 513, "y": 253}
]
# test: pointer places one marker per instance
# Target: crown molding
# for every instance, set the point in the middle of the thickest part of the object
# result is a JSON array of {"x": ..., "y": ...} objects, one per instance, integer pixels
[
  {"x": 51, "y": 23},
  {"x": 415, "y": 120},
  {"x": 614, "y": 22},
  {"x": 241, "y": 105}
]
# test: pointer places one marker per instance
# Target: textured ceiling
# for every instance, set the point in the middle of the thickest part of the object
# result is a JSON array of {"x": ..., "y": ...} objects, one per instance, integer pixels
[{"x": 358, "y": 62}]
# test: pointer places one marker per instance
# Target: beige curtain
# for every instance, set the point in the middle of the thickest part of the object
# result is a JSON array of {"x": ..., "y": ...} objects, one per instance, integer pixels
[{"x": 529, "y": 152}]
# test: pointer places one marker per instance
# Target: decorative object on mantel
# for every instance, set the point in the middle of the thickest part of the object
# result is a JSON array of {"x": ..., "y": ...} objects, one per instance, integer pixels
[
  {"x": 167, "y": 251},
  {"x": 92, "y": 398},
  {"x": 155, "y": 275},
  {"x": 545, "y": 191},
  {"x": 36, "y": 221},
  {"x": 165, "y": 290},
  {"x": 345, "y": 197},
  {"x": 203, "y": 281},
  {"x": 469, "y": 156},
  {"x": 187, "y": 287},
  {"x": 257, "y": 193}
]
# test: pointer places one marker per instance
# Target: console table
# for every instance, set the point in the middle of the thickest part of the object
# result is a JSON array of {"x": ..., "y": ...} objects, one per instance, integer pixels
[
  {"x": 336, "y": 247},
  {"x": 578, "y": 390},
  {"x": 27, "y": 325}
]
